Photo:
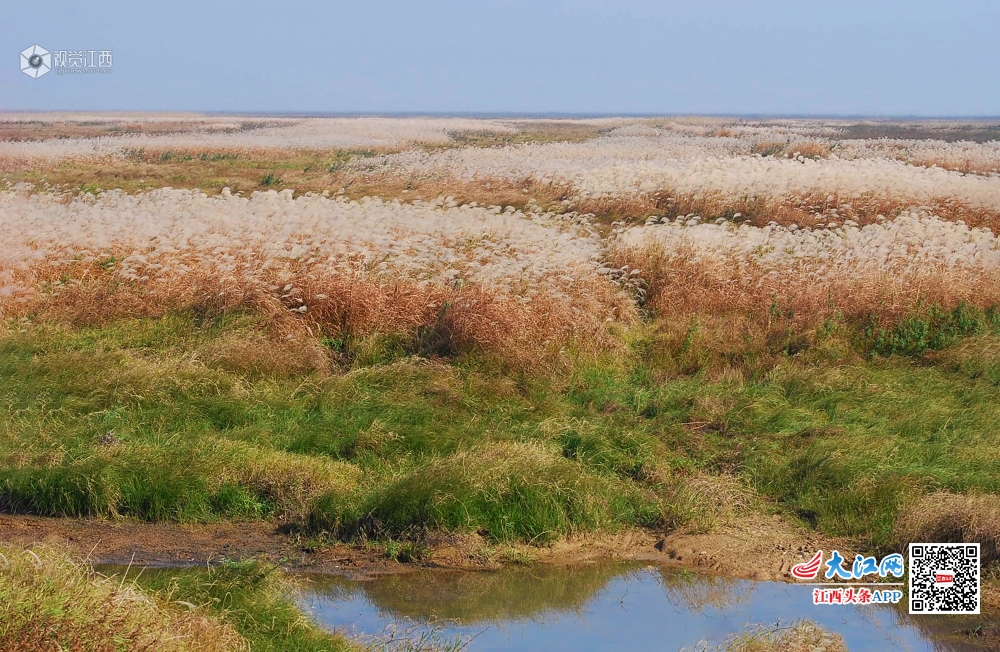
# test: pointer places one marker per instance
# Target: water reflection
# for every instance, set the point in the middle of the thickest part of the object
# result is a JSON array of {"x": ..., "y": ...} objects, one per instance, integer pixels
[
  {"x": 514, "y": 595},
  {"x": 956, "y": 633},
  {"x": 695, "y": 593},
  {"x": 610, "y": 607}
]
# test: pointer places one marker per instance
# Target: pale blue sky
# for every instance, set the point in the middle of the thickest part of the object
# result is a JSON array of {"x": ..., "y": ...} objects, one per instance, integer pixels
[{"x": 875, "y": 57}]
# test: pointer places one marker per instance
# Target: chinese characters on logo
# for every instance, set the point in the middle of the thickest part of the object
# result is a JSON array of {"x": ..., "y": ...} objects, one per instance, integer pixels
[
  {"x": 860, "y": 595},
  {"x": 81, "y": 61},
  {"x": 36, "y": 61},
  {"x": 890, "y": 565}
]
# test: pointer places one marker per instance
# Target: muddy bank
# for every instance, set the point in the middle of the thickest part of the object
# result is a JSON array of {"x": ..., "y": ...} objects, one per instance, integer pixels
[{"x": 773, "y": 544}]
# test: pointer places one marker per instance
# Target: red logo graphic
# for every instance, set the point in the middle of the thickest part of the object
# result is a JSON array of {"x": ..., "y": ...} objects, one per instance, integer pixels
[
  {"x": 808, "y": 570},
  {"x": 944, "y": 578}
]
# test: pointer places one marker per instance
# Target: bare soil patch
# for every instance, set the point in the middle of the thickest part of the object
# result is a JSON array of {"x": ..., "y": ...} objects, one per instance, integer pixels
[{"x": 773, "y": 543}]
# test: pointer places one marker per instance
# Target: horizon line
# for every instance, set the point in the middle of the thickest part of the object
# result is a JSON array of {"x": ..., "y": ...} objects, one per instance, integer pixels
[{"x": 527, "y": 114}]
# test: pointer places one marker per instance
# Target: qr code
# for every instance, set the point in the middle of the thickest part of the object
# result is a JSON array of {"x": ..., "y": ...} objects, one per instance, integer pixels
[{"x": 944, "y": 578}]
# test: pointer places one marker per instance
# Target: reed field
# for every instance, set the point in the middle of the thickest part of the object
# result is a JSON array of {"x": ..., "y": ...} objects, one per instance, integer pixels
[{"x": 378, "y": 329}]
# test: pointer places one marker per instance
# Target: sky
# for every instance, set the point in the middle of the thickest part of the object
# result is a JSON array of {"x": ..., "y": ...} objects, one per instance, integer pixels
[{"x": 747, "y": 57}]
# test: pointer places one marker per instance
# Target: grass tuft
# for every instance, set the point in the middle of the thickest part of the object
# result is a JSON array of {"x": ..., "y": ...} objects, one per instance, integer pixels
[
  {"x": 958, "y": 518},
  {"x": 48, "y": 602},
  {"x": 253, "y": 598},
  {"x": 506, "y": 492},
  {"x": 802, "y": 636}
]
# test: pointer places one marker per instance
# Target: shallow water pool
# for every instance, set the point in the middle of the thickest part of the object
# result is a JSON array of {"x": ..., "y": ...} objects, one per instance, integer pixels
[{"x": 606, "y": 606}]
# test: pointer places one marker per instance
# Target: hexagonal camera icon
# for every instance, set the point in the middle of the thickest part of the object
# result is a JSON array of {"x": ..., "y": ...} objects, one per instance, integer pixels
[{"x": 36, "y": 61}]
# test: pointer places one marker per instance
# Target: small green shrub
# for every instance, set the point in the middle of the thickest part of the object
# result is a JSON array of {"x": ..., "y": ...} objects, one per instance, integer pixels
[
  {"x": 271, "y": 180},
  {"x": 934, "y": 330}
]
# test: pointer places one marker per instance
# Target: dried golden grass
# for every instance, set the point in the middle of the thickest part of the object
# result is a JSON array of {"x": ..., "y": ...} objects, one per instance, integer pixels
[
  {"x": 801, "y": 210},
  {"x": 790, "y": 298},
  {"x": 97, "y": 296},
  {"x": 47, "y": 602},
  {"x": 473, "y": 316},
  {"x": 967, "y": 166},
  {"x": 432, "y": 319},
  {"x": 265, "y": 353},
  {"x": 948, "y": 517},
  {"x": 33, "y": 130},
  {"x": 709, "y": 501},
  {"x": 809, "y": 149},
  {"x": 801, "y": 637},
  {"x": 289, "y": 480},
  {"x": 244, "y": 170}
]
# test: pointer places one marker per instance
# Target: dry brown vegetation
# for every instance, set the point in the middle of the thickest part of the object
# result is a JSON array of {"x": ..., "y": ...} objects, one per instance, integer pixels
[
  {"x": 41, "y": 129},
  {"x": 924, "y": 130},
  {"x": 808, "y": 149},
  {"x": 47, "y": 602},
  {"x": 552, "y": 131},
  {"x": 804, "y": 211},
  {"x": 775, "y": 304},
  {"x": 428, "y": 320},
  {"x": 247, "y": 171},
  {"x": 762, "y": 306},
  {"x": 967, "y": 166},
  {"x": 737, "y": 301},
  {"x": 797, "y": 637},
  {"x": 959, "y": 518}
]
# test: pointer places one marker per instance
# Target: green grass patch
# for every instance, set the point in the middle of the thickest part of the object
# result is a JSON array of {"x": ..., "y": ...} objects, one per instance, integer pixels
[
  {"x": 509, "y": 491},
  {"x": 931, "y": 329},
  {"x": 255, "y": 599},
  {"x": 143, "y": 419}
]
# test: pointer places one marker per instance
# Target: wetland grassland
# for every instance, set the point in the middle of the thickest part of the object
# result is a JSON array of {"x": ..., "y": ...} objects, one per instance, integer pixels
[{"x": 380, "y": 333}]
